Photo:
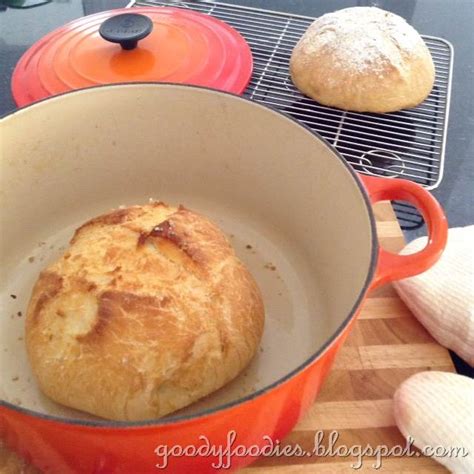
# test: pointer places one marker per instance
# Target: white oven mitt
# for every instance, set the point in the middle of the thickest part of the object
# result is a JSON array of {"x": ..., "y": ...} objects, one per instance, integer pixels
[
  {"x": 442, "y": 298},
  {"x": 435, "y": 409}
]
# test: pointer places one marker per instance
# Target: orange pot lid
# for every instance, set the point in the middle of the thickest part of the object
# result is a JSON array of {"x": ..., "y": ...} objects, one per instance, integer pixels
[{"x": 135, "y": 45}]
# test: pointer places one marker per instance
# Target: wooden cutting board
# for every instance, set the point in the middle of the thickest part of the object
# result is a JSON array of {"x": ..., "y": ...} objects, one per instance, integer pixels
[{"x": 386, "y": 346}]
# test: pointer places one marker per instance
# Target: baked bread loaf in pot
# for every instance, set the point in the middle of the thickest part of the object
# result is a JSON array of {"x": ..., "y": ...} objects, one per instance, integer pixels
[{"x": 147, "y": 311}]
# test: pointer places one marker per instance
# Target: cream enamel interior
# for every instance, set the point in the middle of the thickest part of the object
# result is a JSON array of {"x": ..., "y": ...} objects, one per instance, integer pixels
[{"x": 268, "y": 182}]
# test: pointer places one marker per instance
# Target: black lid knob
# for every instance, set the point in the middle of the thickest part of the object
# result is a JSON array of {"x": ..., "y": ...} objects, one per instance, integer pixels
[{"x": 126, "y": 29}]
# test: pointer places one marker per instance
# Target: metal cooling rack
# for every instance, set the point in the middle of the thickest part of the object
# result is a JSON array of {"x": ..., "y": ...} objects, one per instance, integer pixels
[{"x": 408, "y": 144}]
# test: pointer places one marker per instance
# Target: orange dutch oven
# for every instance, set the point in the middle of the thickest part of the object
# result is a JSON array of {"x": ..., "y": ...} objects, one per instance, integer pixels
[{"x": 269, "y": 182}]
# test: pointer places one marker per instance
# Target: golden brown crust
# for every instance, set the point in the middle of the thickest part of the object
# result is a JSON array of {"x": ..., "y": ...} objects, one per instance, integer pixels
[
  {"x": 147, "y": 311},
  {"x": 363, "y": 59}
]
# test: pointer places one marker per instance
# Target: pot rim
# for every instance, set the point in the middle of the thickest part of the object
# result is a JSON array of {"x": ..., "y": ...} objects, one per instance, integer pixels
[{"x": 171, "y": 420}]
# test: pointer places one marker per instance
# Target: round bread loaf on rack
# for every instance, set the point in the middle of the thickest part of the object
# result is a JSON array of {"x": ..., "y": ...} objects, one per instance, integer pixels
[
  {"x": 363, "y": 59},
  {"x": 147, "y": 311}
]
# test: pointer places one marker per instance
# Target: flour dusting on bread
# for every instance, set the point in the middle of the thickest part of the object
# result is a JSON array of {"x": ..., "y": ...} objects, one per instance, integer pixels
[{"x": 363, "y": 59}]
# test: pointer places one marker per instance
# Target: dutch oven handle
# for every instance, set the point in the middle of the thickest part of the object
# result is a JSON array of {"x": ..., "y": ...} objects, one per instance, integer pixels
[{"x": 395, "y": 267}]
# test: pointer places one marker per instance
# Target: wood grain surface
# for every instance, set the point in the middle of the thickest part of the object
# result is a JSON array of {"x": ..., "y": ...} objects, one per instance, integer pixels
[{"x": 386, "y": 346}]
